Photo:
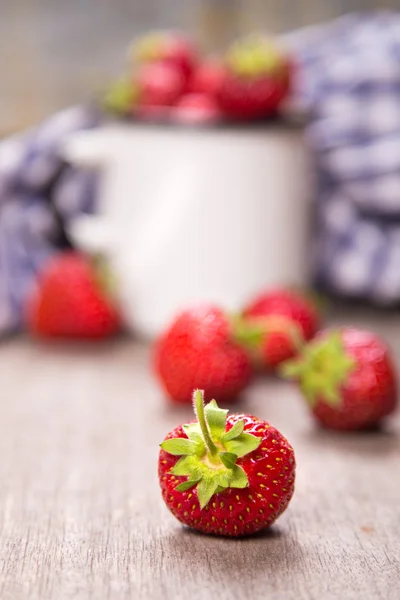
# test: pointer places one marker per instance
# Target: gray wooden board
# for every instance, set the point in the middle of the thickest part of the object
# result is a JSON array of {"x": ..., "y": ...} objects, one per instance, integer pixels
[{"x": 81, "y": 515}]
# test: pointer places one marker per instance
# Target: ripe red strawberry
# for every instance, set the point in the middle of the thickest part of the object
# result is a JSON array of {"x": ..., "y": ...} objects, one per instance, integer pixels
[
  {"x": 169, "y": 48},
  {"x": 284, "y": 318},
  {"x": 256, "y": 81},
  {"x": 347, "y": 377},
  {"x": 229, "y": 476},
  {"x": 208, "y": 78},
  {"x": 159, "y": 84},
  {"x": 196, "y": 108},
  {"x": 71, "y": 300},
  {"x": 198, "y": 350}
]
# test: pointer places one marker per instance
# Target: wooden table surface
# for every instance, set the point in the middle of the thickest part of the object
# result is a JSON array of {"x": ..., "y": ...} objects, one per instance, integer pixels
[{"x": 81, "y": 516}]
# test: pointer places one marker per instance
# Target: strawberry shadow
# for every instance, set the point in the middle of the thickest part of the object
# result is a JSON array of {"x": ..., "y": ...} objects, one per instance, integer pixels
[
  {"x": 377, "y": 440},
  {"x": 270, "y": 533},
  {"x": 75, "y": 347},
  {"x": 231, "y": 561}
]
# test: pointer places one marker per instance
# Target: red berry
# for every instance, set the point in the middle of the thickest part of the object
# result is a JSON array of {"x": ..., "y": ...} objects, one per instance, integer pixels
[
  {"x": 197, "y": 350},
  {"x": 284, "y": 319},
  {"x": 208, "y": 78},
  {"x": 256, "y": 80},
  {"x": 228, "y": 476},
  {"x": 241, "y": 99},
  {"x": 70, "y": 301},
  {"x": 347, "y": 377},
  {"x": 196, "y": 108},
  {"x": 159, "y": 84},
  {"x": 277, "y": 346},
  {"x": 169, "y": 48}
]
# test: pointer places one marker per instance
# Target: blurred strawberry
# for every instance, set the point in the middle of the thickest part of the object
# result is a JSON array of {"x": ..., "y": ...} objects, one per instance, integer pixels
[
  {"x": 347, "y": 377},
  {"x": 208, "y": 78},
  {"x": 293, "y": 304},
  {"x": 159, "y": 84},
  {"x": 276, "y": 323},
  {"x": 196, "y": 108},
  {"x": 256, "y": 80},
  {"x": 199, "y": 350},
  {"x": 73, "y": 300},
  {"x": 168, "y": 48}
]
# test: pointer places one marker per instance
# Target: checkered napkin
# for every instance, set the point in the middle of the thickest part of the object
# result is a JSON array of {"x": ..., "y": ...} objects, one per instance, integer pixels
[
  {"x": 349, "y": 82},
  {"x": 38, "y": 193}
]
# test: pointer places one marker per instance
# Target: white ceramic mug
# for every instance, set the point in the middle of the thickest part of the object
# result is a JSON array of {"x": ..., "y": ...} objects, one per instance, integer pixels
[{"x": 196, "y": 215}]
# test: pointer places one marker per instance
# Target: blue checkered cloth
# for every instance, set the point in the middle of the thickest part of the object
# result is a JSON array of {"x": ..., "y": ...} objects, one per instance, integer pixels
[
  {"x": 37, "y": 192},
  {"x": 349, "y": 83}
]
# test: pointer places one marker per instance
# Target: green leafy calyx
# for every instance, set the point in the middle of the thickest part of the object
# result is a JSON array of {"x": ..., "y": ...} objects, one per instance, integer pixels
[
  {"x": 321, "y": 370},
  {"x": 148, "y": 48},
  {"x": 209, "y": 454},
  {"x": 252, "y": 331},
  {"x": 255, "y": 57},
  {"x": 121, "y": 97}
]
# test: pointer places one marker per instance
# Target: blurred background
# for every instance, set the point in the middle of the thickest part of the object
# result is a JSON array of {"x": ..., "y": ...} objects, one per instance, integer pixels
[
  {"x": 340, "y": 66},
  {"x": 55, "y": 53}
]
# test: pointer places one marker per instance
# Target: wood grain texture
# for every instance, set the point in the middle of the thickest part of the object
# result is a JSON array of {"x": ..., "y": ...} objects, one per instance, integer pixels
[{"x": 81, "y": 515}]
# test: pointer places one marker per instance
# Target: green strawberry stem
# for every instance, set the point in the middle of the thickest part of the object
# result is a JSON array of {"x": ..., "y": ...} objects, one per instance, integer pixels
[
  {"x": 250, "y": 332},
  {"x": 198, "y": 402},
  {"x": 321, "y": 369},
  {"x": 255, "y": 56},
  {"x": 209, "y": 453}
]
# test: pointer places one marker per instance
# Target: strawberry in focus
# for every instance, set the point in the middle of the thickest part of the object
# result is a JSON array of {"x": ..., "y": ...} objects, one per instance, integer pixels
[
  {"x": 72, "y": 300},
  {"x": 257, "y": 80},
  {"x": 347, "y": 378},
  {"x": 226, "y": 475},
  {"x": 282, "y": 320},
  {"x": 198, "y": 350}
]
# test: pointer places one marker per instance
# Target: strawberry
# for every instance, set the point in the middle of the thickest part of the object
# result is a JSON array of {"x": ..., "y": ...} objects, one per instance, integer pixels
[
  {"x": 198, "y": 349},
  {"x": 71, "y": 300},
  {"x": 208, "y": 78},
  {"x": 226, "y": 475},
  {"x": 283, "y": 318},
  {"x": 169, "y": 48},
  {"x": 347, "y": 378},
  {"x": 256, "y": 81},
  {"x": 196, "y": 108},
  {"x": 159, "y": 84}
]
